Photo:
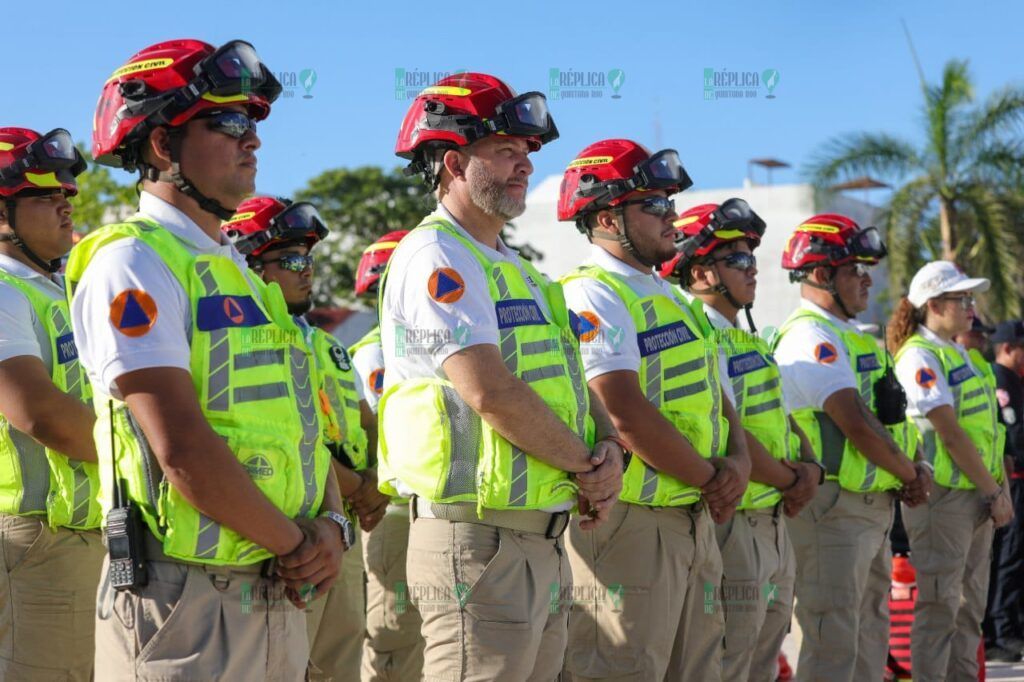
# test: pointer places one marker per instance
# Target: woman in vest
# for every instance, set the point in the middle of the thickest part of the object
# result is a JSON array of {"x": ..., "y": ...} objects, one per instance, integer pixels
[
  {"x": 49, "y": 514},
  {"x": 955, "y": 409}
]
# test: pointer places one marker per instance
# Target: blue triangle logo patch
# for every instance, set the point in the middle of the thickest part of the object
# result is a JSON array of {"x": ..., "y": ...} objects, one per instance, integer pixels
[{"x": 133, "y": 315}]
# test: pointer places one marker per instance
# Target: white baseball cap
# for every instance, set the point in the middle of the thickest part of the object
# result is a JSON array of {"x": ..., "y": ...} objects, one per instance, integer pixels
[{"x": 942, "y": 277}]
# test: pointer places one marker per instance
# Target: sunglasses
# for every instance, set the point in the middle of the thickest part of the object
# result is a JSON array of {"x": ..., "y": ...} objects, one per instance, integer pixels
[
  {"x": 232, "y": 123},
  {"x": 737, "y": 261},
  {"x": 966, "y": 302},
  {"x": 292, "y": 262},
  {"x": 656, "y": 206}
]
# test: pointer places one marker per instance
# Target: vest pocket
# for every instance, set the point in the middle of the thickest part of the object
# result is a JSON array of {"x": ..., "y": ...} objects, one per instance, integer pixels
[{"x": 513, "y": 479}]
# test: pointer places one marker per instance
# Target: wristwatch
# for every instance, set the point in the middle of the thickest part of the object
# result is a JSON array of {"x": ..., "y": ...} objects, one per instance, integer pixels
[
  {"x": 821, "y": 479},
  {"x": 348, "y": 532}
]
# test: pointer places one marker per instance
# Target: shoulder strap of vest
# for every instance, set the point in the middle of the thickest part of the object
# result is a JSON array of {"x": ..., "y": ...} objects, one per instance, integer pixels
[
  {"x": 39, "y": 301},
  {"x": 615, "y": 282},
  {"x": 168, "y": 247}
]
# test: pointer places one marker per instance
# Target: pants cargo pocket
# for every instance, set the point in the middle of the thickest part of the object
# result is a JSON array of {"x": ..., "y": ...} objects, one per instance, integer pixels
[{"x": 165, "y": 632}]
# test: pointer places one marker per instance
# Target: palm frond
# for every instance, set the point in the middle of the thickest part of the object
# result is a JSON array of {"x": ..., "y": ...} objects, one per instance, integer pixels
[{"x": 855, "y": 154}]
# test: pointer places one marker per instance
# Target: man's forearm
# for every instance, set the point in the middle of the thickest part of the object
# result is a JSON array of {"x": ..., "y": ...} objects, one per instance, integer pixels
[
  {"x": 209, "y": 476},
  {"x": 519, "y": 414},
  {"x": 764, "y": 468},
  {"x": 657, "y": 442},
  {"x": 332, "y": 493},
  {"x": 67, "y": 428},
  {"x": 872, "y": 440},
  {"x": 603, "y": 425}
]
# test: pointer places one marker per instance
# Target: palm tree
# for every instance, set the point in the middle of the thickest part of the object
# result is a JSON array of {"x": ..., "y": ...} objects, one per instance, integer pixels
[{"x": 957, "y": 196}]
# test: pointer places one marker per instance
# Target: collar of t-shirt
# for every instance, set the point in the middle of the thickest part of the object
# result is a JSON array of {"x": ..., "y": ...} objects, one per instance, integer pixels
[
  {"x": 929, "y": 335},
  {"x": 717, "y": 319},
  {"x": 180, "y": 225},
  {"x": 18, "y": 269},
  {"x": 843, "y": 325},
  {"x": 503, "y": 252}
]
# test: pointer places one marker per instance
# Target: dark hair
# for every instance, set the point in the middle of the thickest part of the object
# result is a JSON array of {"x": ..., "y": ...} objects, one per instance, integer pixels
[{"x": 902, "y": 324}]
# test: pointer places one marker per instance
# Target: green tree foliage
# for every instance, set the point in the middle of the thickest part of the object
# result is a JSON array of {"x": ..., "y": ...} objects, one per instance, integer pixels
[{"x": 958, "y": 194}]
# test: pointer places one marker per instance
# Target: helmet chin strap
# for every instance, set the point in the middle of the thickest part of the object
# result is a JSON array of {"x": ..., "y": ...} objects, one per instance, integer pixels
[
  {"x": 50, "y": 267},
  {"x": 184, "y": 185},
  {"x": 720, "y": 288},
  {"x": 625, "y": 242},
  {"x": 831, "y": 289}
]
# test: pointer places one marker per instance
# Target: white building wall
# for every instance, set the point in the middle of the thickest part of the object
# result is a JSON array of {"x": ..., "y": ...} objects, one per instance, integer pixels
[{"x": 783, "y": 207}]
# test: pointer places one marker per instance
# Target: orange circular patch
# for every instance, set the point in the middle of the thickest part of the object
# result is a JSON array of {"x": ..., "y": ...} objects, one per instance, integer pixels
[
  {"x": 925, "y": 378},
  {"x": 133, "y": 312},
  {"x": 590, "y": 325},
  {"x": 446, "y": 285},
  {"x": 233, "y": 311},
  {"x": 825, "y": 353},
  {"x": 376, "y": 381}
]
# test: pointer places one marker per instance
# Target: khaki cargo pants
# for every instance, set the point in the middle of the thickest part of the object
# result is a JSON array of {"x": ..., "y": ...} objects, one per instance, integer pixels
[
  {"x": 758, "y": 571},
  {"x": 645, "y": 598},
  {"x": 199, "y": 623},
  {"x": 47, "y": 600},
  {"x": 843, "y": 575},
  {"x": 393, "y": 648},
  {"x": 335, "y": 623},
  {"x": 484, "y": 594},
  {"x": 951, "y": 550}
]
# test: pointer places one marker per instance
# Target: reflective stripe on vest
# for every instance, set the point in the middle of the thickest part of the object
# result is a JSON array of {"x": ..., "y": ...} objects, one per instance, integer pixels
[
  {"x": 439, "y": 447},
  {"x": 843, "y": 462},
  {"x": 254, "y": 382},
  {"x": 976, "y": 408},
  {"x": 678, "y": 374},
  {"x": 757, "y": 388},
  {"x": 35, "y": 480}
]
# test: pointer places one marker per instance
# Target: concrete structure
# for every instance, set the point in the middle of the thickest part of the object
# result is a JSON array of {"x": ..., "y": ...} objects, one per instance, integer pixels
[{"x": 783, "y": 207}]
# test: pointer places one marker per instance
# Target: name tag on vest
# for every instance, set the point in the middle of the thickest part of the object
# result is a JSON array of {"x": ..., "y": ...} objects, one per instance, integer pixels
[
  {"x": 746, "y": 363},
  {"x": 662, "y": 338},
  {"x": 960, "y": 374},
  {"x": 66, "y": 349},
  {"x": 868, "y": 363},
  {"x": 218, "y": 312},
  {"x": 518, "y": 312}
]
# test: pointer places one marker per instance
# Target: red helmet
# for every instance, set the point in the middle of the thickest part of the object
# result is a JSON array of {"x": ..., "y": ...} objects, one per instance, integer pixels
[
  {"x": 263, "y": 223},
  {"x": 465, "y": 107},
  {"x": 831, "y": 240},
  {"x": 168, "y": 84},
  {"x": 704, "y": 228},
  {"x": 373, "y": 261},
  {"x": 611, "y": 171},
  {"x": 30, "y": 161}
]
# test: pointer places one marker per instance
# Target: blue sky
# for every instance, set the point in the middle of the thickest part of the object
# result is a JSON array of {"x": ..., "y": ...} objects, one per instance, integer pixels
[{"x": 839, "y": 69}]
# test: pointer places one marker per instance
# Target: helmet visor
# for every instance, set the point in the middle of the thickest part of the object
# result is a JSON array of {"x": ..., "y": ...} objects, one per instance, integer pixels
[
  {"x": 867, "y": 245},
  {"x": 527, "y": 116},
  {"x": 298, "y": 220},
  {"x": 234, "y": 69},
  {"x": 54, "y": 151},
  {"x": 663, "y": 170}
]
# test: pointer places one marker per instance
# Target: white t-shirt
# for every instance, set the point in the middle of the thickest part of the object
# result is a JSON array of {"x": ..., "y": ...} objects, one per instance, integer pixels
[
  {"x": 921, "y": 374},
  {"x": 608, "y": 337},
  {"x": 129, "y": 311},
  {"x": 813, "y": 361},
  {"x": 21, "y": 330},
  {"x": 368, "y": 363},
  {"x": 437, "y": 302}
]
